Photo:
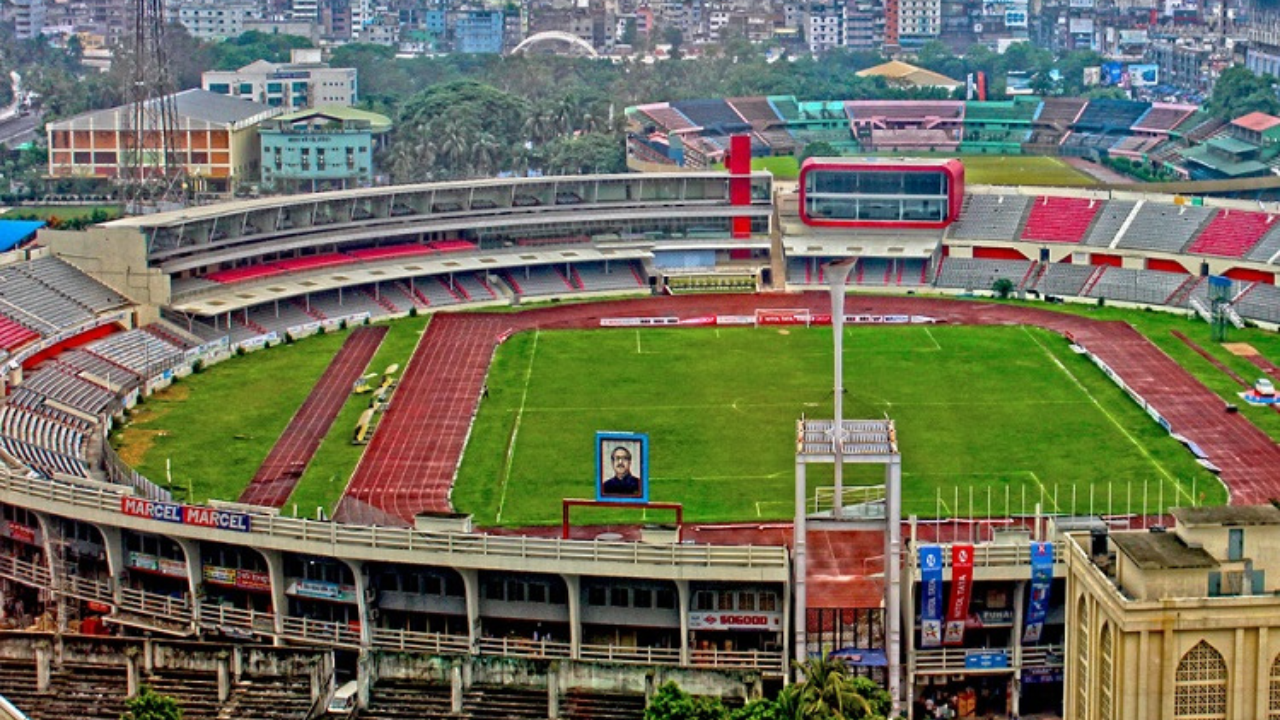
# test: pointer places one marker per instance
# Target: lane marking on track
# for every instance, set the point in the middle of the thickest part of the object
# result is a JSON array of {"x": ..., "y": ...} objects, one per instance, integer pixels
[
  {"x": 1178, "y": 489},
  {"x": 515, "y": 430},
  {"x": 936, "y": 344}
]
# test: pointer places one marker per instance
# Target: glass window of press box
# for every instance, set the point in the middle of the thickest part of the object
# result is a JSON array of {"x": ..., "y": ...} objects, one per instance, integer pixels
[{"x": 876, "y": 196}]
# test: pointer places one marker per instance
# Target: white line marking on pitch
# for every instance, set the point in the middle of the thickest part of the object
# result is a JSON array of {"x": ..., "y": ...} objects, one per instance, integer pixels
[
  {"x": 932, "y": 338},
  {"x": 1044, "y": 492},
  {"x": 1141, "y": 448},
  {"x": 511, "y": 445}
]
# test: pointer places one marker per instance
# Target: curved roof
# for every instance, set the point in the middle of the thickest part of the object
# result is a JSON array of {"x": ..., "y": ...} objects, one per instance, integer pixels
[{"x": 341, "y": 113}]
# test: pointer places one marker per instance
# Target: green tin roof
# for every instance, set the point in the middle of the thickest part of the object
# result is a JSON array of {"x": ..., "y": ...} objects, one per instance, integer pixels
[{"x": 341, "y": 113}]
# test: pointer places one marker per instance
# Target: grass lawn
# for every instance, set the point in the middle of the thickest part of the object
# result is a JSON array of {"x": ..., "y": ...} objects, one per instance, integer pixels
[
  {"x": 1005, "y": 416},
  {"x": 62, "y": 212},
  {"x": 978, "y": 170},
  {"x": 215, "y": 428},
  {"x": 326, "y": 477}
]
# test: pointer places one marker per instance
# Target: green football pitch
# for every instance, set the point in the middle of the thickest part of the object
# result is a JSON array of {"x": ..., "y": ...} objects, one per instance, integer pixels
[{"x": 990, "y": 420}]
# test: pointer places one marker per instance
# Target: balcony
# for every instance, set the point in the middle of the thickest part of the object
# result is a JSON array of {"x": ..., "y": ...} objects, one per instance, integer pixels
[
  {"x": 322, "y": 632},
  {"x": 523, "y": 647},
  {"x": 424, "y": 642}
]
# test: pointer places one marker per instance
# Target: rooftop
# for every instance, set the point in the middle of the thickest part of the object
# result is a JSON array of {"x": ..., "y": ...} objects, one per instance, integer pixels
[
  {"x": 1161, "y": 551},
  {"x": 338, "y": 113},
  {"x": 902, "y": 73},
  {"x": 192, "y": 105},
  {"x": 1228, "y": 515},
  {"x": 1256, "y": 121}
]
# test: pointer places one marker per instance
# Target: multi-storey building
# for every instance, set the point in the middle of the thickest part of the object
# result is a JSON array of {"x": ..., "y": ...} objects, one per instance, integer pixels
[
  {"x": 1182, "y": 622},
  {"x": 217, "y": 20},
  {"x": 27, "y": 16},
  {"x": 303, "y": 82},
  {"x": 216, "y": 136},
  {"x": 478, "y": 31},
  {"x": 325, "y": 149}
]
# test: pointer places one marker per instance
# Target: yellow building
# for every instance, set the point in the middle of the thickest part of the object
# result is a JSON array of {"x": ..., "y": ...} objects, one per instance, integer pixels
[{"x": 1176, "y": 623}]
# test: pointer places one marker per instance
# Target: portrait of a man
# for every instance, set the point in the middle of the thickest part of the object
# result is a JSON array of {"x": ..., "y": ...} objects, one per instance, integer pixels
[{"x": 621, "y": 473}]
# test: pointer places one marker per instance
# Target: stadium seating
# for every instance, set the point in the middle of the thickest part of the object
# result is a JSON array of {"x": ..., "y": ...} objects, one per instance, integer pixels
[
  {"x": 1109, "y": 220},
  {"x": 37, "y": 305},
  {"x": 990, "y": 217},
  {"x": 243, "y": 274},
  {"x": 1163, "y": 117},
  {"x": 913, "y": 139},
  {"x": 1062, "y": 278},
  {"x": 43, "y": 443},
  {"x": 56, "y": 383},
  {"x": 1060, "y": 111},
  {"x": 1164, "y": 228},
  {"x": 585, "y": 705},
  {"x": 593, "y": 277},
  {"x": 404, "y": 699},
  {"x": 1111, "y": 115},
  {"x": 1140, "y": 286},
  {"x": 923, "y": 114},
  {"x": 712, "y": 113},
  {"x": 71, "y": 282},
  {"x": 505, "y": 702},
  {"x": 351, "y": 301},
  {"x": 139, "y": 351},
  {"x": 1232, "y": 233},
  {"x": 388, "y": 252},
  {"x": 666, "y": 117},
  {"x": 14, "y": 335},
  {"x": 980, "y": 274},
  {"x": 100, "y": 370},
  {"x": 1267, "y": 247},
  {"x": 538, "y": 280},
  {"x": 785, "y": 106},
  {"x": 1059, "y": 219},
  {"x": 1261, "y": 302},
  {"x": 755, "y": 110}
]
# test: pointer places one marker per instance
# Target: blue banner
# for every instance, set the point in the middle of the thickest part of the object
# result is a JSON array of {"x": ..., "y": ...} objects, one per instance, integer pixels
[
  {"x": 1041, "y": 581},
  {"x": 930, "y": 596}
]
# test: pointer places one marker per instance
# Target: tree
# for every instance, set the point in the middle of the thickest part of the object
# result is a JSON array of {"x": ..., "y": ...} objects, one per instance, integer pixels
[
  {"x": 150, "y": 705},
  {"x": 1003, "y": 288},
  {"x": 1239, "y": 91},
  {"x": 670, "y": 702},
  {"x": 828, "y": 692}
]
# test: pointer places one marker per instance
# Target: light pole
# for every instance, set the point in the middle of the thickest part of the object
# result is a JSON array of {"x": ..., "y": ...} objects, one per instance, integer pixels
[{"x": 838, "y": 275}]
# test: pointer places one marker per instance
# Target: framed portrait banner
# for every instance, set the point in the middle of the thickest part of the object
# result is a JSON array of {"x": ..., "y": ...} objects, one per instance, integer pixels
[{"x": 622, "y": 467}]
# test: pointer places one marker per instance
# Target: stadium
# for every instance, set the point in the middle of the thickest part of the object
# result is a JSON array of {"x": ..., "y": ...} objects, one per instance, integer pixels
[{"x": 468, "y": 563}]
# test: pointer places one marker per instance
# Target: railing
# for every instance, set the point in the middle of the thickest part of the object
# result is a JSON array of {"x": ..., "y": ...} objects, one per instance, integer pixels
[
  {"x": 141, "y": 602},
  {"x": 772, "y": 662},
  {"x": 384, "y": 538},
  {"x": 87, "y": 589},
  {"x": 408, "y": 640},
  {"x": 522, "y": 647},
  {"x": 997, "y": 555},
  {"x": 25, "y": 571},
  {"x": 234, "y": 617},
  {"x": 824, "y": 498},
  {"x": 950, "y": 659},
  {"x": 625, "y": 654},
  {"x": 1042, "y": 656},
  {"x": 320, "y": 631}
]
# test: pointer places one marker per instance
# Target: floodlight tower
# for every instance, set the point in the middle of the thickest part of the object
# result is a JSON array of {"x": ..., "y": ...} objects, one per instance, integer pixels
[
  {"x": 839, "y": 271},
  {"x": 152, "y": 170}
]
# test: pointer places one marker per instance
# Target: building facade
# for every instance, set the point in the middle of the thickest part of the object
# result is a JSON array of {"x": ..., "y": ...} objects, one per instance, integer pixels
[
  {"x": 323, "y": 149},
  {"x": 216, "y": 21},
  {"x": 217, "y": 139},
  {"x": 304, "y": 82},
  {"x": 1176, "y": 623}
]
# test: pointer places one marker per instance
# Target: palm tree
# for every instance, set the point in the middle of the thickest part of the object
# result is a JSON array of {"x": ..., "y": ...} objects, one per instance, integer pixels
[{"x": 828, "y": 692}]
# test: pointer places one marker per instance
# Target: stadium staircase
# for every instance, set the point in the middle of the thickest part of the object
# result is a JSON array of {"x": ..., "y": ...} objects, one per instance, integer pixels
[
  {"x": 409, "y": 700},
  {"x": 567, "y": 282},
  {"x": 1179, "y": 296},
  {"x": 576, "y": 277},
  {"x": 268, "y": 698},
  {"x": 455, "y": 290},
  {"x": 381, "y": 299},
  {"x": 245, "y": 322},
  {"x": 310, "y": 311},
  {"x": 82, "y": 692},
  {"x": 495, "y": 702},
  {"x": 196, "y": 693},
  {"x": 1093, "y": 280},
  {"x": 414, "y": 296},
  {"x": 581, "y": 705},
  {"x": 1028, "y": 276}
]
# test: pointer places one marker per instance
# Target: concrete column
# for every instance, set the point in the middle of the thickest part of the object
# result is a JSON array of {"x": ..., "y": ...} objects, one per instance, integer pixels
[
  {"x": 471, "y": 584},
  {"x": 1144, "y": 650},
  {"x": 553, "y": 694},
  {"x": 1019, "y": 605},
  {"x": 683, "y": 601},
  {"x": 1169, "y": 651},
  {"x": 573, "y": 585},
  {"x": 113, "y": 544},
  {"x": 362, "y": 585},
  {"x": 54, "y": 562},
  {"x": 279, "y": 600},
  {"x": 798, "y": 564},
  {"x": 195, "y": 576},
  {"x": 366, "y": 676},
  {"x": 44, "y": 658},
  {"x": 1261, "y": 672},
  {"x": 148, "y": 655},
  {"x": 131, "y": 675},
  {"x": 456, "y": 689},
  {"x": 224, "y": 679},
  {"x": 893, "y": 580}
]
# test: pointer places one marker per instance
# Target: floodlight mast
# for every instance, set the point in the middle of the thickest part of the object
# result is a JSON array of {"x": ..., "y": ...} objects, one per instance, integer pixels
[{"x": 838, "y": 273}]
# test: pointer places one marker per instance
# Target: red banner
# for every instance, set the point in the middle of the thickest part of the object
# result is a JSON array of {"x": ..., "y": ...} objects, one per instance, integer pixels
[{"x": 961, "y": 591}]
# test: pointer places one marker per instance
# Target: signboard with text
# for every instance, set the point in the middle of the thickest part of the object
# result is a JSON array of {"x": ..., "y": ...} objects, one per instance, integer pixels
[{"x": 735, "y": 621}]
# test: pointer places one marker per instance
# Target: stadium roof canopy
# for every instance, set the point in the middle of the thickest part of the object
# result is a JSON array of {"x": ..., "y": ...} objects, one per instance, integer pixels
[
  {"x": 15, "y": 232},
  {"x": 901, "y": 74},
  {"x": 196, "y": 108}
]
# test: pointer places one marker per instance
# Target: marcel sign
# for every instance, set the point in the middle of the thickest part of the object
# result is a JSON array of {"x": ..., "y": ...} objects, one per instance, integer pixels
[{"x": 185, "y": 514}]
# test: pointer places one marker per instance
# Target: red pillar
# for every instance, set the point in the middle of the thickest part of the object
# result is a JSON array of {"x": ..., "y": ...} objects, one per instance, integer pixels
[{"x": 738, "y": 162}]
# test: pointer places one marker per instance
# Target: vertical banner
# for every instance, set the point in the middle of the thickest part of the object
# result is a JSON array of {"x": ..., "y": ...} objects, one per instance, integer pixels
[
  {"x": 961, "y": 590},
  {"x": 1041, "y": 581},
  {"x": 930, "y": 596}
]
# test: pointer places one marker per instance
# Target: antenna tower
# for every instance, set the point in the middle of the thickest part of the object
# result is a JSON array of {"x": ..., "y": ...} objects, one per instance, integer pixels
[{"x": 153, "y": 167}]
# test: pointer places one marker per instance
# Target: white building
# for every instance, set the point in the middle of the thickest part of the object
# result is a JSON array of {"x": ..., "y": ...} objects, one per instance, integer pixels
[
  {"x": 217, "y": 20},
  {"x": 27, "y": 17},
  {"x": 304, "y": 82}
]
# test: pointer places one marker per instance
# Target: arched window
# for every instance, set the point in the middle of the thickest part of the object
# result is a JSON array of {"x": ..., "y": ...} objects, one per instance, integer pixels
[
  {"x": 1105, "y": 709},
  {"x": 1273, "y": 692},
  {"x": 1200, "y": 684},
  {"x": 1082, "y": 660}
]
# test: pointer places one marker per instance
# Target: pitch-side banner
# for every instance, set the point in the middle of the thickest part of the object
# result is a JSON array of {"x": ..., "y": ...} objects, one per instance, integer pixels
[
  {"x": 1041, "y": 581},
  {"x": 961, "y": 590},
  {"x": 930, "y": 596}
]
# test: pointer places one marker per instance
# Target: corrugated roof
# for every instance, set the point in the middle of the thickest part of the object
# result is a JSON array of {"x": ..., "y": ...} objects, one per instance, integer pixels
[
  {"x": 195, "y": 105},
  {"x": 378, "y": 123},
  {"x": 15, "y": 232},
  {"x": 907, "y": 73},
  {"x": 1161, "y": 551},
  {"x": 1256, "y": 121}
]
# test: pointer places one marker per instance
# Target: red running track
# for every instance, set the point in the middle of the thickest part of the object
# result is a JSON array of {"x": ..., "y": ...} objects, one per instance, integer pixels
[
  {"x": 409, "y": 467},
  {"x": 279, "y": 473}
]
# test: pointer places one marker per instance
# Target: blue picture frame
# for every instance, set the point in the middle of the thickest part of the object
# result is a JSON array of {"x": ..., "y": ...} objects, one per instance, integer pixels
[{"x": 633, "y": 486}]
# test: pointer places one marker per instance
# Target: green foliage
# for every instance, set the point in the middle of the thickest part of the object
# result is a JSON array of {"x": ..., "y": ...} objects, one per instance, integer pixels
[
  {"x": 670, "y": 702},
  {"x": 235, "y": 53},
  {"x": 1238, "y": 91},
  {"x": 1003, "y": 288},
  {"x": 820, "y": 148},
  {"x": 589, "y": 153},
  {"x": 150, "y": 705}
]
